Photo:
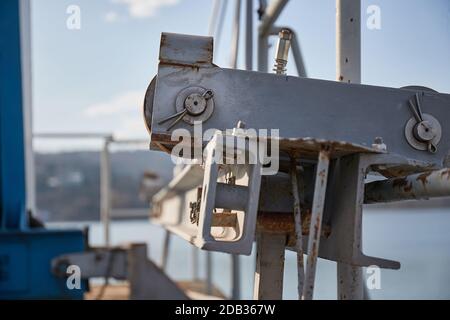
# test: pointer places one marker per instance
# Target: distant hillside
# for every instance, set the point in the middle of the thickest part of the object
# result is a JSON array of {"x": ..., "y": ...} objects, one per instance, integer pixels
[{"x": 68, "y": 184}]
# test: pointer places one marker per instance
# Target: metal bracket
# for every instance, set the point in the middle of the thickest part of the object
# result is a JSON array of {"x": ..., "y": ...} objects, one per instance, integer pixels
[
  {"x": 241, "y": 240},
  {"x": 147, "y": 281}
]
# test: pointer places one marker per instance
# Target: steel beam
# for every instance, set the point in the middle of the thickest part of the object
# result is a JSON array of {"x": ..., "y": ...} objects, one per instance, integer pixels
[
  {"x": 212, "y": 25},
  {"x": 235, "y": 35},
  {"x": 249, "y": 36},
  {"x": 146, "y": 280},
  {"x": 269, "y": 266},
  {"x": 299, "y": 107},
  {"x": 316, "y": 222},
  {"x": 348, "y": 69},
  {"x": 348, "y": 41},
  {"x": 298, "y": 207},
  {"x": 165, "y": 251},
  {"x": 271, "y": 15},
  {"x": 426, "y": 185},
  {"x": 105, "y": 191},
  {"x": 235, "y": 277}
]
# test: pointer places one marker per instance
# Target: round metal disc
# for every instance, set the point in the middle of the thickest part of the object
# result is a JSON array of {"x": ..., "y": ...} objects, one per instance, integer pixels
[
  {"x": 148, "y": 105},
  {"x": 416, "y": 144},
  {"x": 195, "y": 104},
  {"x": 191, "y": 118}
]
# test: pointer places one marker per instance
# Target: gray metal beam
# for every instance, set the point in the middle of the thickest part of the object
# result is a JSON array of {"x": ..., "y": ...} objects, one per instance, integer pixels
[
  {"x": 235, "y": 35},
  {"x": 348, "y": 69},
  {"x": 269, "y": 266},
  {"x": 316, "y": 223},
  {"x": 432, "y": 184},
  {"x": 271, "y": 15},
  {"x": 146, "y": 280},
  {"x": 298, "y": 207},
  {"x": 298, "y": 107},
  {"x": 105, "y": 191},
  {"x": 249, "y": 36},
  {"x": 212, "y": 25}
]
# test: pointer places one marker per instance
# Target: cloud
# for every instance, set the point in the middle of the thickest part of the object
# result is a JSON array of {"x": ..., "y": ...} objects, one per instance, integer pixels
[
  {"x": 145, "y": 8},
  {"x": 111, "y": 17},
  {"x": 124, "y": 103},
  {"x": 132, "y": 126}
]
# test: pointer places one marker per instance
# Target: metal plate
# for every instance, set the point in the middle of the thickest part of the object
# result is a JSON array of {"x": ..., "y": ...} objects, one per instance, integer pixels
[
  {"x": 180, "y": 105},
  {"x": 148, "y": 104},
  {"x": 416, "y": 144}
]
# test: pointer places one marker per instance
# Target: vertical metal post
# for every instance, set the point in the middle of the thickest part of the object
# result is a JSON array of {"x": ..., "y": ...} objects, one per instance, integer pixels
[
  {"x": 165, "y": 253},
  {"x": 263, "y": 53},
  {"x": 348, "y": 41},
  {"x": 25, "y": 44},
  {"x": 105, "y": 191},
  {"x": 348, "y": 69},
  {"x": 298, "y": 229},
  {"x": 12, "y": 153},
  {"x": 315, "y": 229},
  {"x": 195, "y": 265},
  {"x": 269, "y": 266},
  {"x": 209, "y": 266},
  {"x": 298, "y": 57},
  {"x": 249, "y": 36},
  {"x": 213, "y": 17},
  {"x": 219, "y": 30},
  {"x": 235, "y": 277},
  {"x": 235, "y": 35}
]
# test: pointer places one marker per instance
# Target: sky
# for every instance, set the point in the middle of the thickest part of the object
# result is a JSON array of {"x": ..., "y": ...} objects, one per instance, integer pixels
[{"x": 93, "y": 79}]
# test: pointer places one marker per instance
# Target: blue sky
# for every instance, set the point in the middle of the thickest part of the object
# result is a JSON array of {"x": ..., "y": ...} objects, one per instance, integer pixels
[{"x": 94, "y": 79}]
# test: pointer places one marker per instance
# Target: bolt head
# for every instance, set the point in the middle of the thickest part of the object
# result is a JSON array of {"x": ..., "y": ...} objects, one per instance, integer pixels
[
  {"x": 285, "y": 34},
  {"x": 241, "y": 125},
  {"x": 195, "y": 104}
]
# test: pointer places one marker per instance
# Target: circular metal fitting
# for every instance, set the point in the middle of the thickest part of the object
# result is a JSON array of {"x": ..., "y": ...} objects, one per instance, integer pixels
[
  {"x": 198, "y": 102},
  {"x": 424, "y": 135},
  {"x": 195, "y": 104},
  {"x": 424, "y": 131}
]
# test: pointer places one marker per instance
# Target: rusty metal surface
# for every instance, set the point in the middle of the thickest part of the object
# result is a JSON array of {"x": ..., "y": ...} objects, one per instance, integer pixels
[
  {"x": 316, "y": 222},
  {"x": 424, "y": 185},
  {"x": 299, "y": 206},
  {"x": 179, "y": 49},
  {"x": 310, "y": 147},
  {"x": 282, "y": 222}
]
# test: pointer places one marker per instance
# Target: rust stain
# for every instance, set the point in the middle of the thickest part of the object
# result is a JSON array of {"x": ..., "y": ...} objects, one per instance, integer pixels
[
  {"x": 445, "y": 173},
  {"x": 163, "y": 40},
  {"x": 402, "y": 183},
  {"x": 283, "y": 222},
  {"x": 195, "y": 66},
  {"x": 424, "y": 178}
]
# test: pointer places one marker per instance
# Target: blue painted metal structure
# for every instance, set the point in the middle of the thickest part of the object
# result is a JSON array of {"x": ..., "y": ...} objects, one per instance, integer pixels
[{"x": 25, "y": 253}]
